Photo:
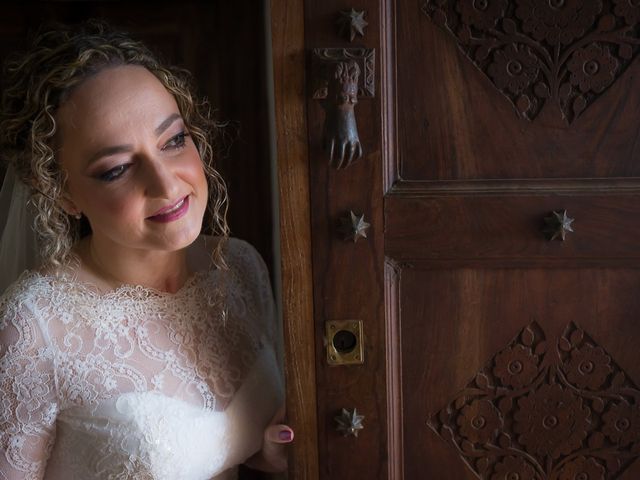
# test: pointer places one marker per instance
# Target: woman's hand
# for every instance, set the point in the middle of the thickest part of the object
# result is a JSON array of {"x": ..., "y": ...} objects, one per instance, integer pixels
[{"x": 273, "y": 456}]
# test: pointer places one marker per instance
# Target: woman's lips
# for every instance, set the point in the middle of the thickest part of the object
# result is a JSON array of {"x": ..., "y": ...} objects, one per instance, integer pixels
[{"x": 174, "y": 212}]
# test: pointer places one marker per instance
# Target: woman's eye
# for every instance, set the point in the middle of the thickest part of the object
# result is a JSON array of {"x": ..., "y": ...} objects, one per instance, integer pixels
[
  {"x": 114, "y": 173},
  {"x": 177, "y": 141}
]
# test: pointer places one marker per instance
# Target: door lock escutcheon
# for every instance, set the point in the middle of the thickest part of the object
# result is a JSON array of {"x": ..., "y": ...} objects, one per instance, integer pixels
[{"x": 344, "y": 342}]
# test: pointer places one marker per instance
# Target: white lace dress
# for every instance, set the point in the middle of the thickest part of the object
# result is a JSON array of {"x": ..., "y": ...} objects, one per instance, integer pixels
[{"x": 137, "y": 383}]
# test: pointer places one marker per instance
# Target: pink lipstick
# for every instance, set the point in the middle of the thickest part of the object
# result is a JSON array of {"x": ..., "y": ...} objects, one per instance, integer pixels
[{"x": 171, "y": 213}]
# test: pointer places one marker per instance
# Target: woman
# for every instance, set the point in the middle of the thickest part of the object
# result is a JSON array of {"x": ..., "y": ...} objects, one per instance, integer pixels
[{"x": 141, "y": 349}]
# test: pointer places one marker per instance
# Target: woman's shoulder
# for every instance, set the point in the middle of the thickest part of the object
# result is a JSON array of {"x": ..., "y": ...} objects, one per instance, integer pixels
[
  {"x": 248, "y": 264},
  {"x": 240, "y": 250},
  {"x": 28, "y": 287},
  {"x": 236, "y": 252},
  {"x": 244, "y": 263},
  {"x": 19, "y": 303}
]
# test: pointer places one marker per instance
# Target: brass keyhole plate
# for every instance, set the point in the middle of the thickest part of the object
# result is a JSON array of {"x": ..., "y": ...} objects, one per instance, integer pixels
[{"x": 344, "y": 342}]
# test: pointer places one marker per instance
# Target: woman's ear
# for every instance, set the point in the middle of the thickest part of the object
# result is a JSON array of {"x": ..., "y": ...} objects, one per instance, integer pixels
[{"x": 69, "y": 206}]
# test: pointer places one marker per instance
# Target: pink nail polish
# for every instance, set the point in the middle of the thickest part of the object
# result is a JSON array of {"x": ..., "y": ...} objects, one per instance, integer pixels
[{"x": 284, "y": 435}]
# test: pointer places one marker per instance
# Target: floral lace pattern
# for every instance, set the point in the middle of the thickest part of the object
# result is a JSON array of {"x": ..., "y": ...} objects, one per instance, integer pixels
[{"x": 137, "y": 383}]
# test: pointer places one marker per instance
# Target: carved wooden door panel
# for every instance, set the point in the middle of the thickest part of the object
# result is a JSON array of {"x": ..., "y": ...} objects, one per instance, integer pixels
[{"x": 491, "y": 351}]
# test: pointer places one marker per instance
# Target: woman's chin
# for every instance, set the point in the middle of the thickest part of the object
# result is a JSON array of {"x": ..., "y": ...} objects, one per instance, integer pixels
[
  {"x": 175, "y": 237},
  {"x": 185, "y": 237}
]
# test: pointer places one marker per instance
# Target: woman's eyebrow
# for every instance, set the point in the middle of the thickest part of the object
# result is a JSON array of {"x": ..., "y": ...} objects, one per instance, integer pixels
[
  {"x": 113, "y": 150},
  {"x": 166, "y": 122},
  {"x": 107, "y": 151}
]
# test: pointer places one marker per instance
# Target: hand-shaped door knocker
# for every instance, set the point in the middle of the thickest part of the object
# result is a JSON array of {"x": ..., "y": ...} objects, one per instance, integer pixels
[
  {"x": 341, "y": 77},
  {"x": 340, "y": 133}
]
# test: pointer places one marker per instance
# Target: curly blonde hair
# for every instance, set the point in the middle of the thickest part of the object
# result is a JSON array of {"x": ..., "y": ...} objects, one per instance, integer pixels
[{"x": 38, "y": 82}]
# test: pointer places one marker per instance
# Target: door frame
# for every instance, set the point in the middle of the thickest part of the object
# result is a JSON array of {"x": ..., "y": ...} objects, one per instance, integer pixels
[{"x": 287, "y": 38}]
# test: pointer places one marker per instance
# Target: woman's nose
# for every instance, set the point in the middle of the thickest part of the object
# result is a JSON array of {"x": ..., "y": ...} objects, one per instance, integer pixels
[{"x": 160, "y": 179}]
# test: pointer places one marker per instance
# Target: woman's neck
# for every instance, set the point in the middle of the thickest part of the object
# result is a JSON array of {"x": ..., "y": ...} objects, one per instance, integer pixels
[{"x": 109, "y": 267}]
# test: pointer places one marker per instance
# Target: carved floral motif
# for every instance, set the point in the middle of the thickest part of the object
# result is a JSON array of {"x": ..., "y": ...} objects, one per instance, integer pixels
[
  {"x": 512, "y": 69},
  {"x": 479, "y": 421},
  {"x": 482, "y": 14},
  {"x": 557, "y": 21},
  {"x": 516, "y": 366},
  {"x": 592, "y": 68},
  {"x": 582, "y": 468},
  {"x": 551, "y": 421},
  {"x": 622, "y": 423},
  {"x": 588, "y": 367},
  {"x": 515, "y": 468},
  {"x": 564, "y": 51},
  {"x": 541, "y": 411},
  {"x": 629, "y": 9}
]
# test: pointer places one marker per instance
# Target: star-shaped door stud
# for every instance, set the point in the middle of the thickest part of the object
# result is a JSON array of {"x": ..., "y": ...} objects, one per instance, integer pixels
[
  {"x": 558, "y": 225},
  {"x": 352, "y": 23},
  {"x": 349, "y": 422},
  {"x": 353, "y": 226}
]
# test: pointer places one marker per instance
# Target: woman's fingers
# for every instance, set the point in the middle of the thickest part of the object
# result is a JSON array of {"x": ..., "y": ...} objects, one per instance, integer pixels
[
  {"x": 276, "y": 438},
  {"x": 278, "y": 433}
]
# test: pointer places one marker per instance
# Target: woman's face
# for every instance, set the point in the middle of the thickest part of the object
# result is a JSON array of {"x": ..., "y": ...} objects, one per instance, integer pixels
[{"x": 132, "y": 167}]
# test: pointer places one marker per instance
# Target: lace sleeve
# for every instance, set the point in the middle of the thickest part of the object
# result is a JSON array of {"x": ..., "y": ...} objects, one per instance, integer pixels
[
  {"x": 255, "y": 275},
  {"x": 28, "y": 400}
]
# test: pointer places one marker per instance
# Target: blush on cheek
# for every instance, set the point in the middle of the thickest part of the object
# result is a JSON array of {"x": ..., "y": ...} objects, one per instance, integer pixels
[
  {"x": 118, "y": 211},
  {"x": 118, "y": 207}
]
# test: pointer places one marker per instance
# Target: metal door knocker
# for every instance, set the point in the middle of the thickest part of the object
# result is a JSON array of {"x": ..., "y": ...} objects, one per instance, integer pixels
[
  {"x": 341, "y": 76},
  {"x": 340, "y": 135}
]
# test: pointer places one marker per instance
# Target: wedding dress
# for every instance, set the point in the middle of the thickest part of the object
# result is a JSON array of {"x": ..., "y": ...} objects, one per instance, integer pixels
[{"x": 136, "y": 383}]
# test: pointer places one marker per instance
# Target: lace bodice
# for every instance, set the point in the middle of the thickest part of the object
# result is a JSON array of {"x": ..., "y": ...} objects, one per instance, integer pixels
[{"x": 137, "y": 383}]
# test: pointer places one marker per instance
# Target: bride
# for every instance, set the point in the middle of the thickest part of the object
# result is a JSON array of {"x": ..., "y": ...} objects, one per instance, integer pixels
[{"x": 138, "y": 348}]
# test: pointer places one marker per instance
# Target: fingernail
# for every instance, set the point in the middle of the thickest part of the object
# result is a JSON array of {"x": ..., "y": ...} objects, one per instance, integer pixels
[{"x": 284, "y": 435}]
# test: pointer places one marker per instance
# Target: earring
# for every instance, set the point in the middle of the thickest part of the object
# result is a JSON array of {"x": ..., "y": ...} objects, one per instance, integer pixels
[{"x": 78, "y": 216}]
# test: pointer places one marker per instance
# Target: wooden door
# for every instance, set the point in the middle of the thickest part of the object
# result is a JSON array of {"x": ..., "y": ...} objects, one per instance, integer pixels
[{"x": 491, "y": 351}]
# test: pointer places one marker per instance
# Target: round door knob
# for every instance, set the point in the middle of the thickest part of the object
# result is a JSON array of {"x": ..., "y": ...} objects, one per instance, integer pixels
[
  {"x": 557, "y": 225},
  {"x": 349, "y": 422}
]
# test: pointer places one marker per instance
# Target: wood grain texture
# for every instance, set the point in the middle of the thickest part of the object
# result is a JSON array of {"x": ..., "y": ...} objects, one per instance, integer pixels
[
  {"x": 468, "y": 185},
  {"x": 465, "y": 128},
  {"x": 510, "y": 227},
  {"x": 393, "y": 327},
  {"x": 456, "y": 188},
  {"x": 571, "y": 77},
  {"x": 287, "y": 26},
  {"x": 456, "y": 320},
  {"x": 349, "y": 277}
]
